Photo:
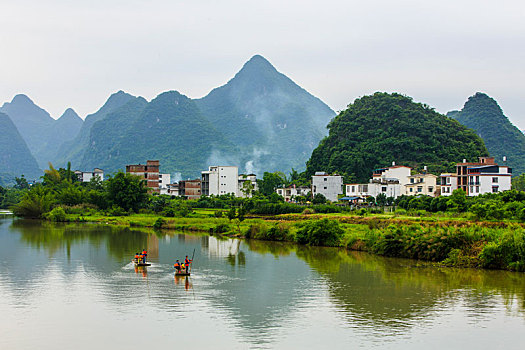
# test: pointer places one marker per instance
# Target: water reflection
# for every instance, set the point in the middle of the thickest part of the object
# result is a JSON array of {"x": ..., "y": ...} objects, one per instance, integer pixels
[{"x": 243, "y": 293}]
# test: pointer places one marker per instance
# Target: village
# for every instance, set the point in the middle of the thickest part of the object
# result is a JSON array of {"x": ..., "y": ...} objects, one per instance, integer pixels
[{"x": 474, "y": 178}]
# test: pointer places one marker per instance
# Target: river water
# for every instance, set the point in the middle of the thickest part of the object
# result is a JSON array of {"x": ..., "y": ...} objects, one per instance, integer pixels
[{"x": 73, "y": 287}]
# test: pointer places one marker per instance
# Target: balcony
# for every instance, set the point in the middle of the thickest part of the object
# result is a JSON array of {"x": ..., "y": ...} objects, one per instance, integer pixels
[{"x": 473, "y": 183}]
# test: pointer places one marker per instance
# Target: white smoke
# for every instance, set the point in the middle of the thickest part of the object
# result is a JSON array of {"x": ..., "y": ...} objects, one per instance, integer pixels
[{"x": 176, "y": 177}]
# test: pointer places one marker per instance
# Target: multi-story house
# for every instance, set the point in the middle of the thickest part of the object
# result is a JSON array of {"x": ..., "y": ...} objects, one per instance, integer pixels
[
  {"x": 290, "y": 193},
  {"x": 422, "y": 184},
  {"x": 86, "y": 176},
  {"x": 388, "y": 187},
  {"x": 191, "y": 189},
  {"x": 389, "y": 181},
  {"x": 246, "y": 183},
  {"x": 397, "y": 172},
  {"x": 485, "y": 176},
  {"x": 330, "y": 186},
  {"x": 164, "y": 181},
  {"x": 219, "y": 180},
  {"x": 148, "y": 172},
  {"x": 449, "y": 183}
]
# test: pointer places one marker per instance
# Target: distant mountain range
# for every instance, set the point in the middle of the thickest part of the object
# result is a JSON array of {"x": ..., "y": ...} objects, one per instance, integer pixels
[
  {"x": 483, "y": 114},
  {"x": 15, "y": 157},
  {"x": 260, "y": 120},
  {"x": 41, "y": 132}
]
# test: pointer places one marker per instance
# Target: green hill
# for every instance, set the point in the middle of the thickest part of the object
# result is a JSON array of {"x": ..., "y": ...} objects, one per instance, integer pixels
[
  {"x": 73, "y": 150},
  {"x": 483, "y": 114},
  {"x": 376, "y": 130},
  {"x": 275, "y": 122},
  {"x": 170, "y": 128},
  {"x": 15, "y": 157}
]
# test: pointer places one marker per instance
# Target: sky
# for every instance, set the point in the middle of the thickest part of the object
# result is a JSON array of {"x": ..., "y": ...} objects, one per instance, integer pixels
[{"x": 64, "y": 53}]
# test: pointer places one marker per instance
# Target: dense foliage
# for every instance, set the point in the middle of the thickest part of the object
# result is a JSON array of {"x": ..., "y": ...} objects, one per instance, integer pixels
[
  {"x": 491, "y": 206},
  {"x": 376, "y": 130},
  {"x": 483, "y": 114}
]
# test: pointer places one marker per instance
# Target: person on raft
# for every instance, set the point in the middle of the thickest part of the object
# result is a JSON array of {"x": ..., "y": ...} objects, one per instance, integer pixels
[
  {"x": 187, "y": 263},
  {"x": 177, "y": 266},
  {"x": 144, "y": 254},
  {"x": 137, "y": 258}
]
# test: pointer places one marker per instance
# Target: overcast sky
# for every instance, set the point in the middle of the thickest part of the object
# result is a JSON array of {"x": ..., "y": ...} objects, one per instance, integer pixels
[{"x": 64, "y": 53}]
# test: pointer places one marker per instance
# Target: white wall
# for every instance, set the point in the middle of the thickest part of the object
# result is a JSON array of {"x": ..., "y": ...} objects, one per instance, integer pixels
[{"x": 328, "y": 185}]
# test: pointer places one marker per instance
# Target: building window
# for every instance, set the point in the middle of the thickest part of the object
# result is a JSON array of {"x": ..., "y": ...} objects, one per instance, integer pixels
[
  {"x": 412, "y": 180},
  {"x": 353, "y": 188},
  {"x": 477, "y": 189},
  {"x": 420, "y": 188},
  {"x": 325, "y": 179},
  {"x": 325, "y": 187},
  {"x": 431, "y": 189},
  {"x": 494, "y": 189},
  {"x": 471, "y": 189},
  {"x": 410, "y": 189},
  {"x": 383, "y": 189},
  {"x": 495, "y": 180}
]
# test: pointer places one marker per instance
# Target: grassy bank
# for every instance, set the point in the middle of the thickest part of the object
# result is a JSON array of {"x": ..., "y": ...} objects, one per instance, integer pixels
[{"x": 447, "y": 240}]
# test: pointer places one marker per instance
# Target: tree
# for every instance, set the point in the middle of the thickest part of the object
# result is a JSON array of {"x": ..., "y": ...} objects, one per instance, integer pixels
[
  {"x": 270, "y": 182},
  {"x": 319, "y": 198},
  {"x": 247, "y": 189},
  {"x": 458, "y": 201},
  {"x": 127, "y": 191},
  {"x": 381, "y": 199},
  {"x": 518, "y": 183},
  {"x": 21, "y": 183}
]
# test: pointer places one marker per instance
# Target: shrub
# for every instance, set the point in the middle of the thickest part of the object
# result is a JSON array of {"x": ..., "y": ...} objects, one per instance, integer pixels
[
  {"x": 323, "y": 232},
  {"x": 308, "y": 211},
  {"x": 257, "y": 230},
  {"x": 221, "y": 228},
  {"x": 158, "y": 223},
  {"x": 58, "y": 214},
  {"x": 117, "y": 211}
]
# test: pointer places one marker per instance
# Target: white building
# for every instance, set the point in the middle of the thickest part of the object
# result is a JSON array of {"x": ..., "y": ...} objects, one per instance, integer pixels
[
  {"x": 244, "y": 183},
  {"x": 330, "y": 186},
  {"x": 164, "y": 181},
  {"x": 449, "y": 183},
  {"x": 84, "y": 176},
  {"x": 219, "y": 180},
  {"x": 290, "y": 193},
  {"x": 173, "y": 189},
  {"x": 390, "y": 188},
  {"x": 401, "y": 173},
  {"x": 484, "y": 176},
  {"x": 422, "y": 184},
  {"x": 488, "y": 179},
  {"x": 390, "y": 181}
]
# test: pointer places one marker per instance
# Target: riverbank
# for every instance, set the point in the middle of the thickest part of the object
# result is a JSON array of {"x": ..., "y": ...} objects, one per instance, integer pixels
[{"x": 444, "y": 240}]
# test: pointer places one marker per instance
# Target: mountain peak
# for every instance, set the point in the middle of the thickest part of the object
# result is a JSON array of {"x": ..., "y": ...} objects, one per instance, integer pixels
[
  {"x": 257, "y": 65},
  {"x": 69, "y": 114},
  {"x": 21, "y": 99}
]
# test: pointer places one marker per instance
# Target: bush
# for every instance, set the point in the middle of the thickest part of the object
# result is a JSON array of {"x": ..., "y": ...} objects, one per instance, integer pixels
[
  {"x": 117, "y": 211},
  {"x": 221, "y": 228},
  {"x": 158, "y": 223},
  {"x": 257, "y": 230},
  {"x": 58, "y": 214},
  {"x": 323, "y": 232},
  {"x": 308, "y": 211}
]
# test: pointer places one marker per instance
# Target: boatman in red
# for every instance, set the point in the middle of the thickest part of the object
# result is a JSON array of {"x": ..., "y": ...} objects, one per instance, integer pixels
[
  {"x": 137, "y": 258},
  {"x": 145, "y": 254},
  {"x": 187, "y": 263}
]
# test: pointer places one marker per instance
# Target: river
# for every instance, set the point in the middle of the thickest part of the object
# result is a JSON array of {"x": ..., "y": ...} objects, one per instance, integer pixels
[{"x": 67, "y": 286}]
